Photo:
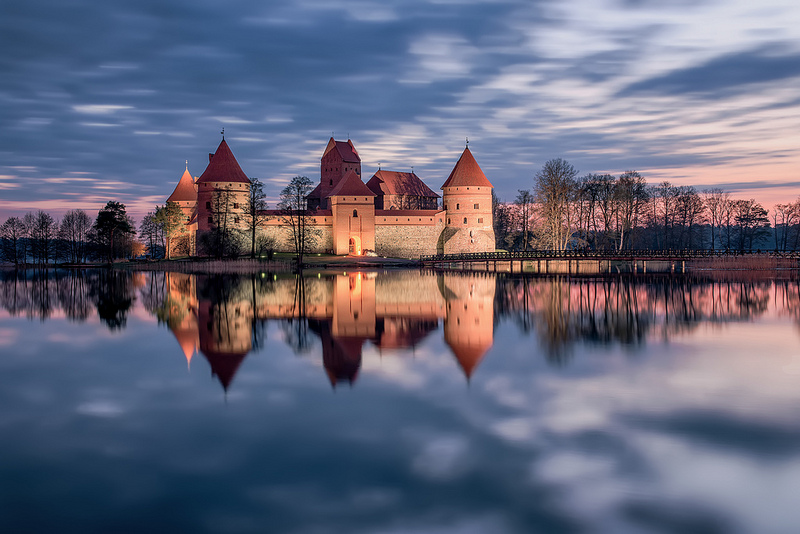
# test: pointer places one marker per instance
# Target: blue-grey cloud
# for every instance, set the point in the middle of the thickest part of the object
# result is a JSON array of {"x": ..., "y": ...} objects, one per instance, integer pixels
[
  {"x": 99, "y": 101},
  {"x": 729, "y": 74}
]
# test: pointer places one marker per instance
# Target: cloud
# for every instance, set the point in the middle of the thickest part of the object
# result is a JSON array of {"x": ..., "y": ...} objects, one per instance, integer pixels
[{"x": 725, "y": 75}]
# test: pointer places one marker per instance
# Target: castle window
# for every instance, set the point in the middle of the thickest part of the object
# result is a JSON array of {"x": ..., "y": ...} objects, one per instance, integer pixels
[
  {"x": 458, "y": 206},
  {"x": 448, "y": 220},
  {"x": 208, "y": 205},
  {"x": 331, "y": 182},
  {"x": 236, "y": 220},
  {"x": 480, "y": 220},
  {"x": 236, "y": 205},
  {"x": 355, "y": 213},
  {"x": 465, "y": 220},
  {"x": 477, "y": 206},
  {"x": 209, "y": 220}
]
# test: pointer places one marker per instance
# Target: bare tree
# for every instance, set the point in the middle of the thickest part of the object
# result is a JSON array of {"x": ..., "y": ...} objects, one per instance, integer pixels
[
  {"x": 222, "y": 239},
  {"x": 553, "y": 190},
  {"x": 13, "y": 235},
  {"x": 42, "y": 236},
  {"x": 524, "y": 202},
  {"x": 630, "y": 198},
  {"x": 253, "y": 212},
  {"x": 74, "y": 234},
  {"x": 295, "y": 214},
  {"x": 171, "y": 219},
  {"x": 715, "y": 200},
  {"x": 150, "y": 232}
]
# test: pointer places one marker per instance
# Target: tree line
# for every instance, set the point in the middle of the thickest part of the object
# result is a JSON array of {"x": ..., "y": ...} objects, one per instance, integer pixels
[
  {"x": 39, "y": 239},
  {"x": 565, "y": 211}
]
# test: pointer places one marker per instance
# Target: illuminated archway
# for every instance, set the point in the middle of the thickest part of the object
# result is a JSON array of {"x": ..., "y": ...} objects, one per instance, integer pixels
[{"x": 355, "y": 246}]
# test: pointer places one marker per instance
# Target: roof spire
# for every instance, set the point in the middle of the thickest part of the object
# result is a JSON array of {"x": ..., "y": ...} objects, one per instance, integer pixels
[
  {"x": 187, "y": 164},
  {"x": 379, "y": 165},
  {"x": 467, "y": 142},
  {"x": 223, "y": 133},
  {"x": 412, "y": 169}
]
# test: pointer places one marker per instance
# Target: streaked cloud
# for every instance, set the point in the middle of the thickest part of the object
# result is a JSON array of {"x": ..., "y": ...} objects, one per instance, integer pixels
[{"x": 692, "y": 92}]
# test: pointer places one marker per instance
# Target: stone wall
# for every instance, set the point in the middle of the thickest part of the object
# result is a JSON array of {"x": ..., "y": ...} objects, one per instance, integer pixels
[
  {"x": 461, "y": 240},
  {"x": 284, "y": 243},
  {"x": 406, "y": 240}
]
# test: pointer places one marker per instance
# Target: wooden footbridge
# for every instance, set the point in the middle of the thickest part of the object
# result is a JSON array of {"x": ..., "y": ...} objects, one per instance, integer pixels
[{"x": 599, "y": 261}]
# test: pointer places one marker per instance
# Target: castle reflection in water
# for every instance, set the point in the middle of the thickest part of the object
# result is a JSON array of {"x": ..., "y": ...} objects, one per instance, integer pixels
[
  {"x": 219, "y": 317},
  {"x": 225, "y": 317}
]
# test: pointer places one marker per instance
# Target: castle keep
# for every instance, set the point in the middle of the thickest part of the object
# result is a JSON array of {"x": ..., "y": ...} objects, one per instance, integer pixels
[{"x": 394, "y": 214}]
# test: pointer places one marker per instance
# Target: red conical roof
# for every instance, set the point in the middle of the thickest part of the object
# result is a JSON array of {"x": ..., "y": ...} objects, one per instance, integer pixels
[
  {"x": 351, "y": 185},
  {"x": 467, "y": 172},
  {"x": 184, "y": 191},
  {"x": 469, "y": 357},
  {"x": 223, "y": 167}
]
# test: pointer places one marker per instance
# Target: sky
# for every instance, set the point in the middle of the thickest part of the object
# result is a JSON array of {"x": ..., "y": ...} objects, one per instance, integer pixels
[{"x": 106, "y": 101}]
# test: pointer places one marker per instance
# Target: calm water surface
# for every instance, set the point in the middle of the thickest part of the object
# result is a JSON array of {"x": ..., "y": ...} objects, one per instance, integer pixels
[{"x": 398, "y": 402}]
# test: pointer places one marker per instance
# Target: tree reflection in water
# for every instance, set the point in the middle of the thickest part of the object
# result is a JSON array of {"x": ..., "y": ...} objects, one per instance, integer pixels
[{"x": 225, "y": 317}]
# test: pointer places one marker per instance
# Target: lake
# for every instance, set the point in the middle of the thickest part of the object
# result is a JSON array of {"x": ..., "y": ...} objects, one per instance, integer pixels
[{"x": 405, "y": 401}]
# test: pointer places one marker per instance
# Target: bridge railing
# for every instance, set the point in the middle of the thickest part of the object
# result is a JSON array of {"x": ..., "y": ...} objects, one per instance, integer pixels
[{"x": 603, "y": 254}]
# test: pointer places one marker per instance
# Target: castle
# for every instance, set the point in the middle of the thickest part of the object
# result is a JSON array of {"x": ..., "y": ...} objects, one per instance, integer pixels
[{"x": 393, "y": 214}]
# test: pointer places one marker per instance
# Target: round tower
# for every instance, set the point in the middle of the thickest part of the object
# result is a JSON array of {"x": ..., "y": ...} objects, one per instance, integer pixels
[
  {"x": 222, "y": 192},
  {"x": 467, "y": 199}
]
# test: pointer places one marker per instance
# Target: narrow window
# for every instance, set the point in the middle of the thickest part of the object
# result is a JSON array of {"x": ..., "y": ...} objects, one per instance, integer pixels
[
  {"x": 480, "y": 220},
  {"x": 458, "y": 206},
  {"x": 355, "y": 213},
  {"x": 331, "y": 182},
  {"x": 209, "y": 220},
  {"x": 448, "y": 220},
  {"x": 465, "y": 220},
  {"x": 477, "y": 206},
  {"x": 208, "y": 205},
  {"x": 236, "y": 205}
]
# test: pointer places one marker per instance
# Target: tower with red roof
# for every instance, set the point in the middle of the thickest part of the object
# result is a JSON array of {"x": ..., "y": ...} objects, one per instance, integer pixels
[
  {"x": 222, "y": 192},
  {"x": 467, "y": 200},
  {"x": 339, "y": 158},
  {"x": 353, "y": 208}
]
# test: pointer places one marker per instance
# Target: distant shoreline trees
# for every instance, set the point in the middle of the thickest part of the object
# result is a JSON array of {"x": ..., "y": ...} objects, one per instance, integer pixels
[{"x": 603, "y": 212}]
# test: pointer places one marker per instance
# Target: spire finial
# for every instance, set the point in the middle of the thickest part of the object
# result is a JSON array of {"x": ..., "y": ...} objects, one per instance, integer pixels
[
  {"x": 467, "y": 142},
  {"x": 412, "y": 169},
  {"x": 187, "y": 164},
  {"x": 379, "y": 165},
  {"x": 223, "y": 134}
]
